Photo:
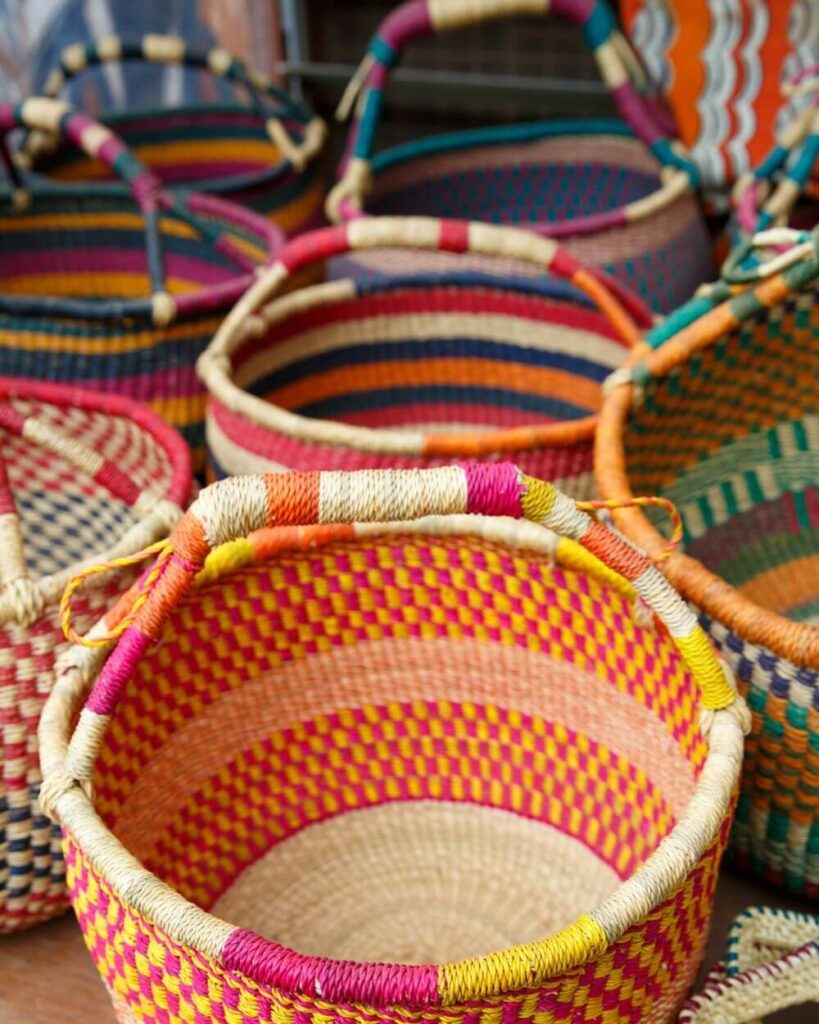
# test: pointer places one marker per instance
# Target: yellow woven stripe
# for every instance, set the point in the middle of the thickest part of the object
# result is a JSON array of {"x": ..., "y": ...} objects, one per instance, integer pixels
[
  {"x": 181, "y": 411},
  {"x": 572, "y": 555},
  {"x": 295, "y": 214},
  {"x": 69, "y": 221},
  {"x": 696, "y": 648},
  {"x": 225, "y": 558},
  {"x": 93, "y": 283},
  {"x": 538, "y": 500},
  {"x": 522, "y": 966},
  {"x": 116, "y": 344}
]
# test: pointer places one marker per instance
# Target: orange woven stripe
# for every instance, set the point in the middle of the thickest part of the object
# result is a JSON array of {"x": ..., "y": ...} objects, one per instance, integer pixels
[{"x": 292, "y": 499}]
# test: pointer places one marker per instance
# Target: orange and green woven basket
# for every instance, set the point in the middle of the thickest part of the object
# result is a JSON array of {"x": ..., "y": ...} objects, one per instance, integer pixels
[
  {"x": 718, "y": 412},
  {"x": 381, "y": 746}
]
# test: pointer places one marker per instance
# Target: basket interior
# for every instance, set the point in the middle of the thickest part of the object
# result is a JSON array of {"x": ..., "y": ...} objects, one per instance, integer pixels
[
  {"x": 431, "y": 355},
  {"x": 407, "y": 749},
  {"x": 181, "y": 146},
  {"x": 732, "y": 437},
  {"x": 66, "y": 516},
  {"x": 76, "y": 245},
  {"x": 518, "y": 183}
]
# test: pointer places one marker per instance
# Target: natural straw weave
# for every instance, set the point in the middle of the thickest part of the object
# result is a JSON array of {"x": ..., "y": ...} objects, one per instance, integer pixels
[
  {"x": 82, "y": 477},
  {"x": 260, "y": 153},
  {"x": 618, "y": 194},
  {"x": 396, "y": 755},
  {"x": 415, "y": 371},
  {"x": 118, "y": 290},
  {"x": 772, "y": 964},
  {"x": 721, "y": 417}
]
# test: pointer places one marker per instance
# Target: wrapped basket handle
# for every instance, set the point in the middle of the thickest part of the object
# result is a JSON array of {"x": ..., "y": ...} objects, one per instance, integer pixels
[
  {"x": 168, "y": 49},
  {"x": 22, "y": 597},
  {"x": 772, "y": 964},
  {"x": 97, "y": 141},
  {"x": 614, "y": 57},
  {"x": 234, "y": 508}
]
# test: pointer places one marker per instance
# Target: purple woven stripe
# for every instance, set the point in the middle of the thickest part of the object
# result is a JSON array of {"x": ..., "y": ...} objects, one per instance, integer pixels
[
  {"x": 176, "y": 383},
  {"x": 633, "y": 111},
  {"x": 578, "y": 11},
  {"x": 100, "y": 261},
  {"x": 405, "y": 22}
]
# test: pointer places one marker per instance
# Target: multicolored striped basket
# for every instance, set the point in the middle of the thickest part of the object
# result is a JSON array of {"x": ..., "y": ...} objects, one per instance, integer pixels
[
  {"x": 262, "y": 154},
  {"x": 395, "y": 755},
  {"x": 83, "y": 477},
  {"x": 718, "y": 412},
  {"x": 416, "y": 371},
  {"x": 772, "y": 964},
  {"x": 619, "y": 195},
  {"x": 119, "y": 291}
]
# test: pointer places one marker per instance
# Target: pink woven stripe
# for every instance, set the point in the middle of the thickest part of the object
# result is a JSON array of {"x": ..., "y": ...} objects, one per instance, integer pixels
[
  {"x": 493, "y": 490},
  {"x": 378, "y": 985},
  {"x": 179, "y": 383},
  {"x": 90, "y": 259},
  {"x": 422, "y": 414},
  {"x": 11, "y": 420},
  {"x": 314, "y": 247},
  {"x": 633, "y": 111},
  {"x": 105, "y": 695},
  {"x": 405, "y": 22},
  {"x": 117, "y": 483}
]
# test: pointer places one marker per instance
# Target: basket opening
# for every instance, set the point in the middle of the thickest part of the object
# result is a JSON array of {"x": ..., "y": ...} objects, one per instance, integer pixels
[
  {"x": 537, "y": 181},
  {"x": 435, "y": 357},
  {"x": 732, "y": 437},
  {"x": 84, "y": 247},
  {"x": 66, "y": 516},
  {"x": 353, "y": 749}
]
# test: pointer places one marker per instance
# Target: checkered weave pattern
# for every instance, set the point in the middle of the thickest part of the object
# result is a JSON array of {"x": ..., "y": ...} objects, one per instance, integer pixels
[
  {"x": 417, "y": 371},
  {"x": 119, "y": 290},
  {"x": 618, "y": 194},
  {"x": 64, "y": 517},
  {"x": 261, "y": 155},
  {"x": 747, "y": 365},
  {"x": 344, "y": 689}
]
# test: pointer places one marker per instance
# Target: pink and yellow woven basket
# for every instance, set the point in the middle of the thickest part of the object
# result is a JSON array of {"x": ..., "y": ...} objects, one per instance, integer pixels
[{"x": 397, "y": 734}]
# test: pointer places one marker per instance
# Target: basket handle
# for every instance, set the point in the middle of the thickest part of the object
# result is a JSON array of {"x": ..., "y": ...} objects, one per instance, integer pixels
[
  {"x": 796, "y": 153},
  {"x": 235, "y": 507},
  {"x": 97, "y": 141},
  {"x": 169, "y": 49},
  {"x": 615, "y": 59},
  {"x": 625, "y": 314},
  {"x": 772, "y": 964},
  {"x": 16, "y": 582}
]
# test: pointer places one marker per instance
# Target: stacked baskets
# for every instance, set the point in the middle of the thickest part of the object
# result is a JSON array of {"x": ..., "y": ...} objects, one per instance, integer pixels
[
  {"x": 396, "y": 751},
  {"x": 83, "y": 478},
  {"x": 118, "y": 290}
]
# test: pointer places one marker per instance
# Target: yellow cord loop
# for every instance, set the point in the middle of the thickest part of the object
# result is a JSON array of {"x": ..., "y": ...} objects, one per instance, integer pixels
[
  {"x": 161, "y": 547},
  {"x": 645, "y": 502}
]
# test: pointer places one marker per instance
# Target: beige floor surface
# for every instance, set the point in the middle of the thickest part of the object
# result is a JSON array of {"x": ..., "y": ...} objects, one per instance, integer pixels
[{"x": 46, "y": 976}]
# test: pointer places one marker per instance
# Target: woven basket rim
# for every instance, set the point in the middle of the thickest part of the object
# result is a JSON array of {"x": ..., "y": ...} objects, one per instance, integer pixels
[
  {"x": 518, "y": 968},
  {"x": 798, "y": 642},
  {"x": 177, "y": 453}
]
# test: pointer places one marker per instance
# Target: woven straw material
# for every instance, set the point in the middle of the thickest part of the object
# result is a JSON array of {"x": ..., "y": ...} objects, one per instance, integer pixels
[
  {"x": 258, "y": 151},
  {"x": 476, "y": 734},
  {"x": 120, "y": 293},
  {"x": 661, "y": 259},
  {"x": 66, "y": 517},
  {"x": 725, "y": 424},
  {"x": 417, "y": 371}
]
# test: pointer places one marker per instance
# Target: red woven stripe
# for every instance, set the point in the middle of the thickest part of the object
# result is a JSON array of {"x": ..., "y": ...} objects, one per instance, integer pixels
[
  {"x": 11, "y": 420},
  {"x": 117, "y": 483},
  {"x": 454, "y": 236},
  {"x": 6, "y": 497},
  {"x": 313, "y": 247}
]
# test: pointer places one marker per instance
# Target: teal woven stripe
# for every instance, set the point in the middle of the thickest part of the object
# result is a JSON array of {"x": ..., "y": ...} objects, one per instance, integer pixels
[
  {"x": 769, "y": 553},
  {"x": 369, "y": 123},
  {"x": 496, "y": 136},
  {"x": 599, "y": 26},
  {"x": 381, "y": 50}
]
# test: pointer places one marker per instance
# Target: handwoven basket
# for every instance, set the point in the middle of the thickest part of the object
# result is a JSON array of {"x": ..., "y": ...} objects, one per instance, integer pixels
[
  {"x": 261, "y": 154},
  {"x": 415, "y": 371},
  {"x": 618, "y": 195},
  {"x": 772, "y": 964},
  {"x": 396, "y": 757},
  {"x": 119, "y": 291},
  {"x": 83, "y": 478},
  {"x": 722, "y": 419}
]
